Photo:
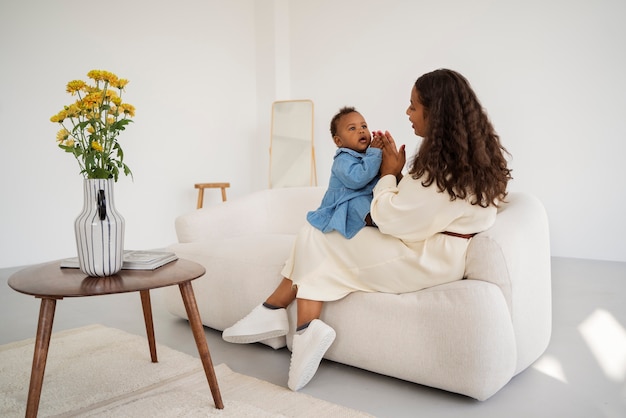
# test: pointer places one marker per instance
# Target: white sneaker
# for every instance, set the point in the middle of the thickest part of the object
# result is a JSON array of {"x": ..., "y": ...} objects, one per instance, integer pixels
[
  {"x": 308, "y": 349},
  {"x": 260, "y": 324}
]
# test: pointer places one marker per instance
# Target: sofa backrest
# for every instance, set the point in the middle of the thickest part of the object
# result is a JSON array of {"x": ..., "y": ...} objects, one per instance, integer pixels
[
  {"x": 286, "y": 208},
  {"x": 276, "y": 211}
]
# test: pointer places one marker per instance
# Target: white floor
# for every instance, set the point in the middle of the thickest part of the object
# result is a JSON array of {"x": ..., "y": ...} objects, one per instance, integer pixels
[{"x": 582, "y": 374}]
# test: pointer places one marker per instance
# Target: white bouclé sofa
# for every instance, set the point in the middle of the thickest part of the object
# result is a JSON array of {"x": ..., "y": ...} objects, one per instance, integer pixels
[{"x": 469, "y": 337}]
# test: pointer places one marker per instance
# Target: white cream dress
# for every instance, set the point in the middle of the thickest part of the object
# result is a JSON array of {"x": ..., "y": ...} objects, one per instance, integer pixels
[{"x": 405, "y": 253}]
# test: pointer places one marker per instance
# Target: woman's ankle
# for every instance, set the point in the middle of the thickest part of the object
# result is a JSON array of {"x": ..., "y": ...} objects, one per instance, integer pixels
[{"x": 271, "y": 306}]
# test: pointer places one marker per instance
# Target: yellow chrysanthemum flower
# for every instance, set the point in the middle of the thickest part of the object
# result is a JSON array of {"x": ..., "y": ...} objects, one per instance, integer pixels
[
  {"x": 110, "y": 94},
  {"x": 120, "y": 83},
  {"x": 127, "y": 109},
  {"x": 69, "y": 142},
  {"x": 62, "y": 135},
  {"x": 101, "y": 75},
  {"x": 109, "y": 77},
  {"x": 73, "y": 111},
  {"x": 75, "y": 86},
  {"x": 92, "y": 100},
  {"x": 110, "y": 120},
  {"x": 59, "y": 117},
  {"x": 97, "y": 146},
  {"x": 94, "y": 97}
]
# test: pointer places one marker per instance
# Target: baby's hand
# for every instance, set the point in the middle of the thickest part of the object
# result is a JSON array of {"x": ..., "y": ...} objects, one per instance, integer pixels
[{"x": 377, "y": 139}]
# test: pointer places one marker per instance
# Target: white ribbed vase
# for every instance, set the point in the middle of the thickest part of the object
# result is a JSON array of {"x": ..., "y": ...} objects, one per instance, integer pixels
[{"x": 99, "y": 230}]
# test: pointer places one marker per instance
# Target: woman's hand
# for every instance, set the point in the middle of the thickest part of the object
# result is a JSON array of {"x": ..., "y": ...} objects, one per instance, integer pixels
[{"x": 394, "y": 159}]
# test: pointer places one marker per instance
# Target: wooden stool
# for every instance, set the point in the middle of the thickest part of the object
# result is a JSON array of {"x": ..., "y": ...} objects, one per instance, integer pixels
[{"x": 202, "y": 186}]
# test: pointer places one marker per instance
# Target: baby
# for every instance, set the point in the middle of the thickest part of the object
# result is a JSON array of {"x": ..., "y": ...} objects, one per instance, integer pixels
[{"x": 346, "y": 204}]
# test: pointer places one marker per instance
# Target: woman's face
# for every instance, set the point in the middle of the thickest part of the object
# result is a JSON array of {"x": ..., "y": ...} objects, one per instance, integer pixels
[{"x": 415, "y": 111}]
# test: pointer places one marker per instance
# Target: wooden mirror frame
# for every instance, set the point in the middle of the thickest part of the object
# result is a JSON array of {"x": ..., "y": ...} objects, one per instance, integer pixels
[{"x": 292, "y": 150}]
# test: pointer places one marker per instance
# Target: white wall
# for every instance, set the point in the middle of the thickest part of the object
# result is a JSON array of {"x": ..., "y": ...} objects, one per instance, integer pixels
[
  {"x": 191, "y": 67},
  {"x": 204, "y": 73},
  {"x": 551, "y": 74}
]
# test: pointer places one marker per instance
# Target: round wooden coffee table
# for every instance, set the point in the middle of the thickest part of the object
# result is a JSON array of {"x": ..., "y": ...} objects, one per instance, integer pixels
[{"x": 50, "y": 283}]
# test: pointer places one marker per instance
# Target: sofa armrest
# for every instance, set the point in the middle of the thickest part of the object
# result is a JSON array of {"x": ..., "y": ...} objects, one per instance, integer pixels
[
  {"x": 280, "y": 211},
  {"x": 515, "y": 255}
]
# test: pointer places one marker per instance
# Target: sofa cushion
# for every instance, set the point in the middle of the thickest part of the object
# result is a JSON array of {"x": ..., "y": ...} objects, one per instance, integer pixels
[
  {"x": 457, "y": 336},
  {"x": 242, "y": 272}
]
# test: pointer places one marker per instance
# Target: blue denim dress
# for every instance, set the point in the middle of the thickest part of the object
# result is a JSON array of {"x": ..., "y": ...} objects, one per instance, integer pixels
[{"x": 347, "y": 201}]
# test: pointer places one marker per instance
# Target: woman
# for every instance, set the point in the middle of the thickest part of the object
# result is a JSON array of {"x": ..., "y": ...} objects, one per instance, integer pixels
[{"x": 425, "y": 222}]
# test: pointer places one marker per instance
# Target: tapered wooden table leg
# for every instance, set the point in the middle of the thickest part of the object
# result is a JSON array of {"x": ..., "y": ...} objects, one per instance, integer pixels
[
  {"x": 189, "y": 300},
  {"x": 42, "y": 343},
  {"x": 50, "y": 283},
  {"x": 147, "y": 316}
]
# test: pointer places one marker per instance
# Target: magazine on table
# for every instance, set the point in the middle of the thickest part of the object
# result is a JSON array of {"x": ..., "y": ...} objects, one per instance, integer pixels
[{"x": 134, "y": 260}]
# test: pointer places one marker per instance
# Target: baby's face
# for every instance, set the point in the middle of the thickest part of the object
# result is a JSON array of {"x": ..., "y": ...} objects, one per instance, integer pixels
[{"x": 353, "y": 133}]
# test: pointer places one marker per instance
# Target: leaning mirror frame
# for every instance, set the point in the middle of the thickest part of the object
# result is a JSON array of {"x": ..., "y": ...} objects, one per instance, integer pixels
[{"x": 292, "y": 151}]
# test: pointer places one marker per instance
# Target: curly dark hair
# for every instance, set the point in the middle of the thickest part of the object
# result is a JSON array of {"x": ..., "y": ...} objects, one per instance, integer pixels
[
  {"x": 335, "y": 120},
  {"x": 460, "y": 152}
]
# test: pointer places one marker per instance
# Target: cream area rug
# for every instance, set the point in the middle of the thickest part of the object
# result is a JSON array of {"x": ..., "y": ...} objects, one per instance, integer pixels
[{"x": 97, "y": 371}]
